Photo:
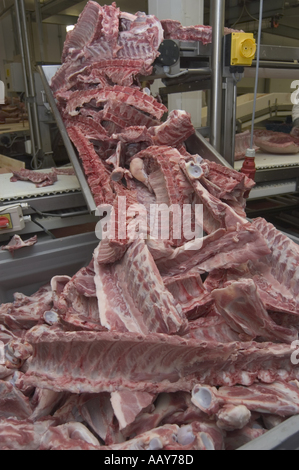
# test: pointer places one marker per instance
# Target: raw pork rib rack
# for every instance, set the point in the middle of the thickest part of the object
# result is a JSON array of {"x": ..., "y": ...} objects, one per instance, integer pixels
[{"x": 174, "y": 345}]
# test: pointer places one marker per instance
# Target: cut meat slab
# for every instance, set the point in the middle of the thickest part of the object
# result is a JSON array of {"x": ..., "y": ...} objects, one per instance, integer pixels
[
  {"x": 96, "y": 410},
  {"x": 155, "y": 363},
  {"x": 175, "y": 130},
  {"x": 212, "y": 328},
  {"x": 219, "y": 250},
  {"x": 240, "y": 305},
  {"x": 37, "y": 177},
  {"x": 276, "y": 275},
  {"x": 276, "y": 142},
  {"x": 141, "y": 40},
  {"x": 22, "y": 434},
  {"x": 16, "y": 243},
  {"x": 216, "y": 214},
  {"x": 13, "y": 403},
  {"x": 242, "y": 143},
  {"x": 156, "y": 439},
  {"x": 230, "y": 185},
  {"x": 69, "y": 436},
  {"x": 173, "y": 29},
  {"x": 280, "y": 398},
  {"x": 97, "y": 175},
  {"x": 86, "y": 30},
  {"x": 25, "y": 312},
  {"x": 109, "y": 69},
  {"x": 76, "y": 300},
  {"x": 158, "y": 167},
  {"x": 132, "y": 97},
  {"x": 128, "y": 405},
  {"x": 44, "y": 403},
  {"x": 132, "y": 296},
  {"x": 284, "y": 257},
  {"x": 189, "y": 291},
  {"x": 164, "y": 408}
]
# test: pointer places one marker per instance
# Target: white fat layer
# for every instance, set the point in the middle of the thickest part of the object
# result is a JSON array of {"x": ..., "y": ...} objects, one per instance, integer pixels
[
  {"x": 203, "y": 397},
  {"x": 155, "y": 444},
  {"x": 2, "y": 353},
  {"x": 51, "y": 318},
  {"x": 138, "y": 171},
  {"x": 194, "y": 171},
  {"x": 185, "y": 436},
  {"x": 207, "y": 441}
]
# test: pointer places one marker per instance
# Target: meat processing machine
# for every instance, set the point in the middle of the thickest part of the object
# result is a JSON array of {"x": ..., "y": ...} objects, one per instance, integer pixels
[{"x": 186, "y": 66}]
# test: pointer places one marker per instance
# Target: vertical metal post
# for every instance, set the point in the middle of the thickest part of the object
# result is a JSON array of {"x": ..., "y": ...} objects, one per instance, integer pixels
[
  {"x": 39, "y": 30},
  {"x": 31, "y": 84},
  {"x": 229, "y": 120},
  {"x": 217, "y": 22},
  {"x": 257, "y": 70},
  {"x": 31, "y": 129}
]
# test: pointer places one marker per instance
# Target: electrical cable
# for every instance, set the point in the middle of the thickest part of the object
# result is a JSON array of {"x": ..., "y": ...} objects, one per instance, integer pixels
[
  {"x": 249, "y": 14},
  {"x": 245, "y": 9},
  {"x": 240, "y": 17},
  {"x": 39, "y": 165},
  {"x": 12, "y": 142},
  {"x": 249, "y": 167},
  {"x": 44, "y": 214},
  {"x": 43, "y": 228}
]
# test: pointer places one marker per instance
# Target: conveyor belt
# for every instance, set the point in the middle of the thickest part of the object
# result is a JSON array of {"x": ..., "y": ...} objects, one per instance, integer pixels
[
  {"x": 46, "y": 73},
  {"x": 195, "y": 144},
  {"x": 25, "y": 190},
  {"x": 265, "y": 161},
  {"x": 269, "y": 189},
  {"x": 280, "y": 210}
]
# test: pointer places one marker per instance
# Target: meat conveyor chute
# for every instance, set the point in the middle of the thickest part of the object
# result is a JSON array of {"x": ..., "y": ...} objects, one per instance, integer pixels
[{"x": 195, "y": 144}]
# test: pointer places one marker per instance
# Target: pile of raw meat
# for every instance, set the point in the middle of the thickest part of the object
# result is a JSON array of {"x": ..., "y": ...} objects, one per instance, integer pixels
[
  {"x": 266, "y": 141},
  {"x": 157, "y": 344},
  {"x": 13, "y": 111}
]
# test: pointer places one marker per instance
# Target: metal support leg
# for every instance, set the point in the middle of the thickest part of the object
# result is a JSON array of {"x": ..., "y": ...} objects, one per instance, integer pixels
[
  {"x": 38, "y": 150},
  {"x": 29, "y": 110},
  {"x": 229, "y": 120},
  {"x": 39, "y": 29},
  {"x": 217, "y": 22}
]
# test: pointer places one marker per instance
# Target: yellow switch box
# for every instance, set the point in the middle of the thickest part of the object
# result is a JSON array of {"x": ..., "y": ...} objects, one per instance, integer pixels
[
  {"x": 243, "y": 49},
  {"x": 6, "y": 216}
]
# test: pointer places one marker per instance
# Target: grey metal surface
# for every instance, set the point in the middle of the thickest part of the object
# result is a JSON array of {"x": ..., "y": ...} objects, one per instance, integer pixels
[
  {"x": 19, "y": 27},
  {"x": 229, "y": 121},
  {"x": 35, "y": 119},
  {"x": 276, "y": 174},
  {"x": 279, "y": 53},
  {"x": 39, "y": 29},
  {"x": 194, "y": 49},
  {"x": 217, "y": 15},
  {"x": 33, "y": 267},
  {"x": 257, "y": 71},
  {"x": 197, "y": 144},
  {"x": 52, "y": 202},
  {"x": 274, "y": 70},
  {"x": 272, "y": 8},
  {"x": 46, "y": 73},
  {"x": 285, "y": 436}
]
